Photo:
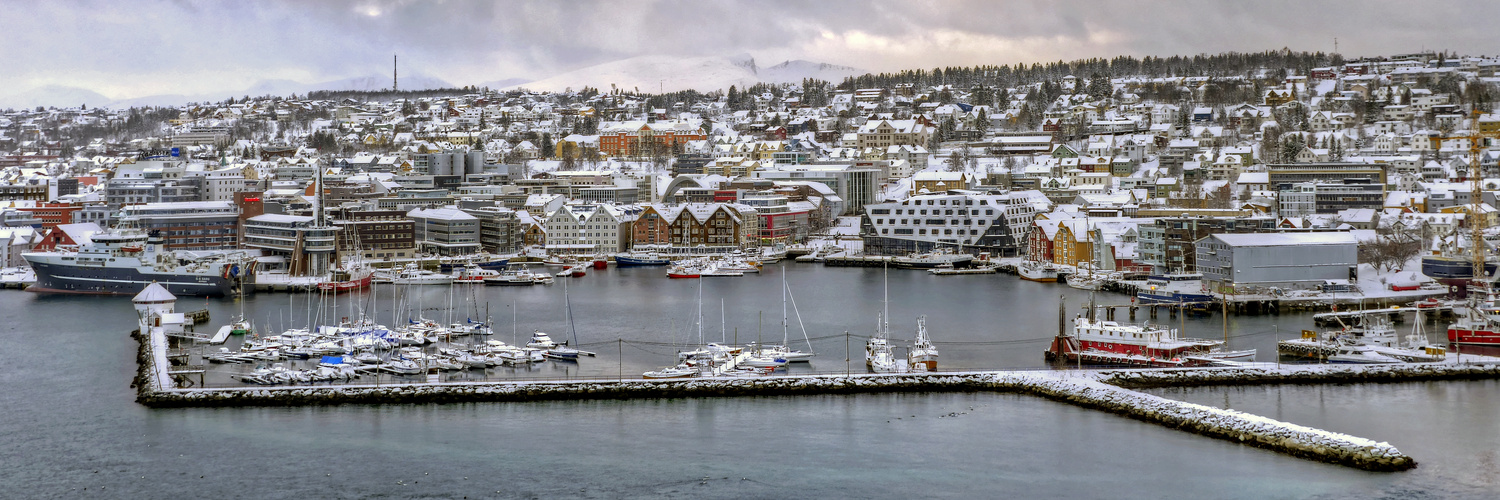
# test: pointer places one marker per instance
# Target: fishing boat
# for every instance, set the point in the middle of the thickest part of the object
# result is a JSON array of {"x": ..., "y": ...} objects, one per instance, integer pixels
[
  {"x": 1095, "y": 341},
  {"x": 1033, "y": 270},
  {"x": 1477, "y": 326},
  {"x": 120, "y": 261},
  {"x": 922, "y": 352},
  {"x": 482, "y": 261},
  {"x": 640, "y": 260},
  {"x": 601, "y": 262},
  {"x": 347, "y": 279},
  {"x": 1174, "y": 288}
]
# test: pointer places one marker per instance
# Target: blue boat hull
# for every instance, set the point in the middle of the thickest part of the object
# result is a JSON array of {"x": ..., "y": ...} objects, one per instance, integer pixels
[
  {"x": 125, "y": 281},
  {"x": 1171, "y": 298},
  {"x": 494, "y": 265},
  {"x": 622, "y": 261}
]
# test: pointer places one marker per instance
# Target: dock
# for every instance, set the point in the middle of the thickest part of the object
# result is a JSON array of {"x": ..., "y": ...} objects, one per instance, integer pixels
[
  {"x": 164, "y": 380},
  {"x": 844, "y": 260}
]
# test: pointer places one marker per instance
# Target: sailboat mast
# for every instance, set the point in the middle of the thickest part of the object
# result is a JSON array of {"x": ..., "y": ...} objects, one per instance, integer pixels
[
  {"x": 885, "y": 321},
  {"x": 700, "y": 313},
  {"x": 783, "y": 311},
  {"x": 568, "y": 303}
]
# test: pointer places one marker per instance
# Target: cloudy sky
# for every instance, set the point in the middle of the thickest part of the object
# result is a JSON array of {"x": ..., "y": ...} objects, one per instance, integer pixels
[{"x": 125, "y": 49}]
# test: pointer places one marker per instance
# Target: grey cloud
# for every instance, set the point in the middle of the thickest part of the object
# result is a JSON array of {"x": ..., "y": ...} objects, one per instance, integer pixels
[{"x": 162, "y": 46}]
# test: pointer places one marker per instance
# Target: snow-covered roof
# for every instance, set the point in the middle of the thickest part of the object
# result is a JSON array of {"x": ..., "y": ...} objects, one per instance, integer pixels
[
  {"x": 1286, "y": 239},
  {"x": 154, "y": 293}
]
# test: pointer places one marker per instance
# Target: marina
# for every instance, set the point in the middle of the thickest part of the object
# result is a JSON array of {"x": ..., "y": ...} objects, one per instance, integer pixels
[
  {"x": 165, "y": 374},
  {"x": 962, "y": 350}
]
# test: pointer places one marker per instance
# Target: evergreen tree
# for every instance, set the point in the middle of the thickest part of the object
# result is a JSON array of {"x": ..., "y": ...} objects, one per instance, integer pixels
[{"x": 547, "y": 146}]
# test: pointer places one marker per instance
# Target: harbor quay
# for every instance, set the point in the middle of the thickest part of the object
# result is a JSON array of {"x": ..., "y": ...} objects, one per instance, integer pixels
[{"x": 1109, "y": 390}]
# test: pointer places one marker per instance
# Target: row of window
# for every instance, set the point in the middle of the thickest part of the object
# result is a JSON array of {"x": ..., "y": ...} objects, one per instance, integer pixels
[
  {"x": 930, "y": 222},
  {"x": 907, "y": 231}
]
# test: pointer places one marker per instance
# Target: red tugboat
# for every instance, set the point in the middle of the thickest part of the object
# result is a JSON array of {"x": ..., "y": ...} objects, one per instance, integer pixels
[{"x": 1095, "y": 342}]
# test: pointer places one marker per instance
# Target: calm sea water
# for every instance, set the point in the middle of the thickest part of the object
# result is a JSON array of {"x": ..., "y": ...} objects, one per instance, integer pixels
[{"x": 72, "y": 428}]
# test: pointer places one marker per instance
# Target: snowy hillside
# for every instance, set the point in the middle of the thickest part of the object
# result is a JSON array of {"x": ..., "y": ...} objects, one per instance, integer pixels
[{"x": 670, "y": 74}]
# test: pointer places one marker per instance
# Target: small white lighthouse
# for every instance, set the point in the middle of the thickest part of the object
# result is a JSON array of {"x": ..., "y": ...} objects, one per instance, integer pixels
[{"x": 152, "y": 305}]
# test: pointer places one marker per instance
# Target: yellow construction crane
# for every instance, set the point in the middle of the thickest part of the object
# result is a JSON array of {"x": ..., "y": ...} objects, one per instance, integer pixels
[{"x": 1477, "y": 220}]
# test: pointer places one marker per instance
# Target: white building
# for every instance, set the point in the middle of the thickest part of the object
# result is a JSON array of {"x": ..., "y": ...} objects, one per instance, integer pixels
[{"x": 995, "y": 223}]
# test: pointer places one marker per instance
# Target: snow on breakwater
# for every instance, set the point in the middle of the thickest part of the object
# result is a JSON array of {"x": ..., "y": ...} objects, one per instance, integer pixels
[
  {"x": 1254, "y": 430},
  {"x": 1298, "y": 374}
]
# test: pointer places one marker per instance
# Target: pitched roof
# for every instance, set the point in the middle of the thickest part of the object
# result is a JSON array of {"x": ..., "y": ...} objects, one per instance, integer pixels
[{"x": 154, "y": 293}]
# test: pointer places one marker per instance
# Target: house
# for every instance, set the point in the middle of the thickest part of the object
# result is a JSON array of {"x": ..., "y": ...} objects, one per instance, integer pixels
[{"x": 938, "y": 182}]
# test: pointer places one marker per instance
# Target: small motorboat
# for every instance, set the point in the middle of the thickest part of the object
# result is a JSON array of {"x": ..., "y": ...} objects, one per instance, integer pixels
[
  {"x": 679, "y": 371},
  {"x": 1361, "y": 355}
]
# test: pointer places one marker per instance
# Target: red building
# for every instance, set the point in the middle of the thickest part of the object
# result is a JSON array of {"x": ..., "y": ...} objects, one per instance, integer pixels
[
  {"x": 53, "y": 213},
  {"x": 641, "y": 139}
]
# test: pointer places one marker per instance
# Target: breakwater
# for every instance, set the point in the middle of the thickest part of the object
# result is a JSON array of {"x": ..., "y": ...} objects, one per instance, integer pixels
[
  {"x": 1299, "y": 374},
  {"x": 1104, "y": 390}
]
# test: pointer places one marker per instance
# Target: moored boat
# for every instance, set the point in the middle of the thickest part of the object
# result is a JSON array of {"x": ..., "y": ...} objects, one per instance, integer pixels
[{"x": 1032, "y": 270}]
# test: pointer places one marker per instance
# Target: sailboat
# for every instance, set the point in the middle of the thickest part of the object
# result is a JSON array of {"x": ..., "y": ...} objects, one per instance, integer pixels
[
  {"x": 880, "y": 357},
  {"x": 922, "y": 352},
  {"x": 784, "y": 350},
  {"x": 567, "y": 352}
]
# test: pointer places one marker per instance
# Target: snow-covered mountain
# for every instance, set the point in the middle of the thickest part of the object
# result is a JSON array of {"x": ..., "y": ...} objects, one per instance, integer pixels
[
  {"x": 64, "y": 96},
  {"x": 671, "y": 74},
  {"x": 61, "y": 96}
]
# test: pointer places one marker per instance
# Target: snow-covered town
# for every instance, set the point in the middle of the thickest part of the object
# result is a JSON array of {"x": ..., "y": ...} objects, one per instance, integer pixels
[
  {"x": 1009, "y": 243},
  {"x": 1118, "y": 168}
]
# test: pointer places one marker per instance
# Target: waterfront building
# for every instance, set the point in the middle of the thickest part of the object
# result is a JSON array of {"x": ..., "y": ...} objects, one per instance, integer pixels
[
  {"x": 1169, "y": 243},
  {"x": 294, "y": 243},
  {"x": 187, "y": 225},
  {"x": 380, "y": 234},
  {"x": 445, "y": 231},
  {"x": 499, "y": 229},
  {"x": 995, "y": 223},
  {"x": 855, "y": 186},
  {"x": 1282, "y": 259}
]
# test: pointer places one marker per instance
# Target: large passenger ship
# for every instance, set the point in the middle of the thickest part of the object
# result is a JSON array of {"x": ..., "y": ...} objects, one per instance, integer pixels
[{"x": 122, "y": 261}]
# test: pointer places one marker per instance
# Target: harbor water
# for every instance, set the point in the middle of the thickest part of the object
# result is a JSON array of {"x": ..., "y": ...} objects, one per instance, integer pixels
[{"x": 74, "y": 429}]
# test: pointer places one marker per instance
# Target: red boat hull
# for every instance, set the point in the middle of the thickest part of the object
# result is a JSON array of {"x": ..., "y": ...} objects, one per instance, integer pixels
[
  {"x": 345, "y": 286},
  {"x": 682, "y": 276},
  {"x": 1475, "y": 337}
]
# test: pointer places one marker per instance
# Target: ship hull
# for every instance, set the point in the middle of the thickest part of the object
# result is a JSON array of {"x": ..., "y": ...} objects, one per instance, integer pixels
[
  {"x": 493, "y": 265},
  {"x": 1146, "y": 297},
  {"x": 1474, "y": 337},
  {"x": 623, "y": 261},
  {"x": 54, "y": 278}
]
